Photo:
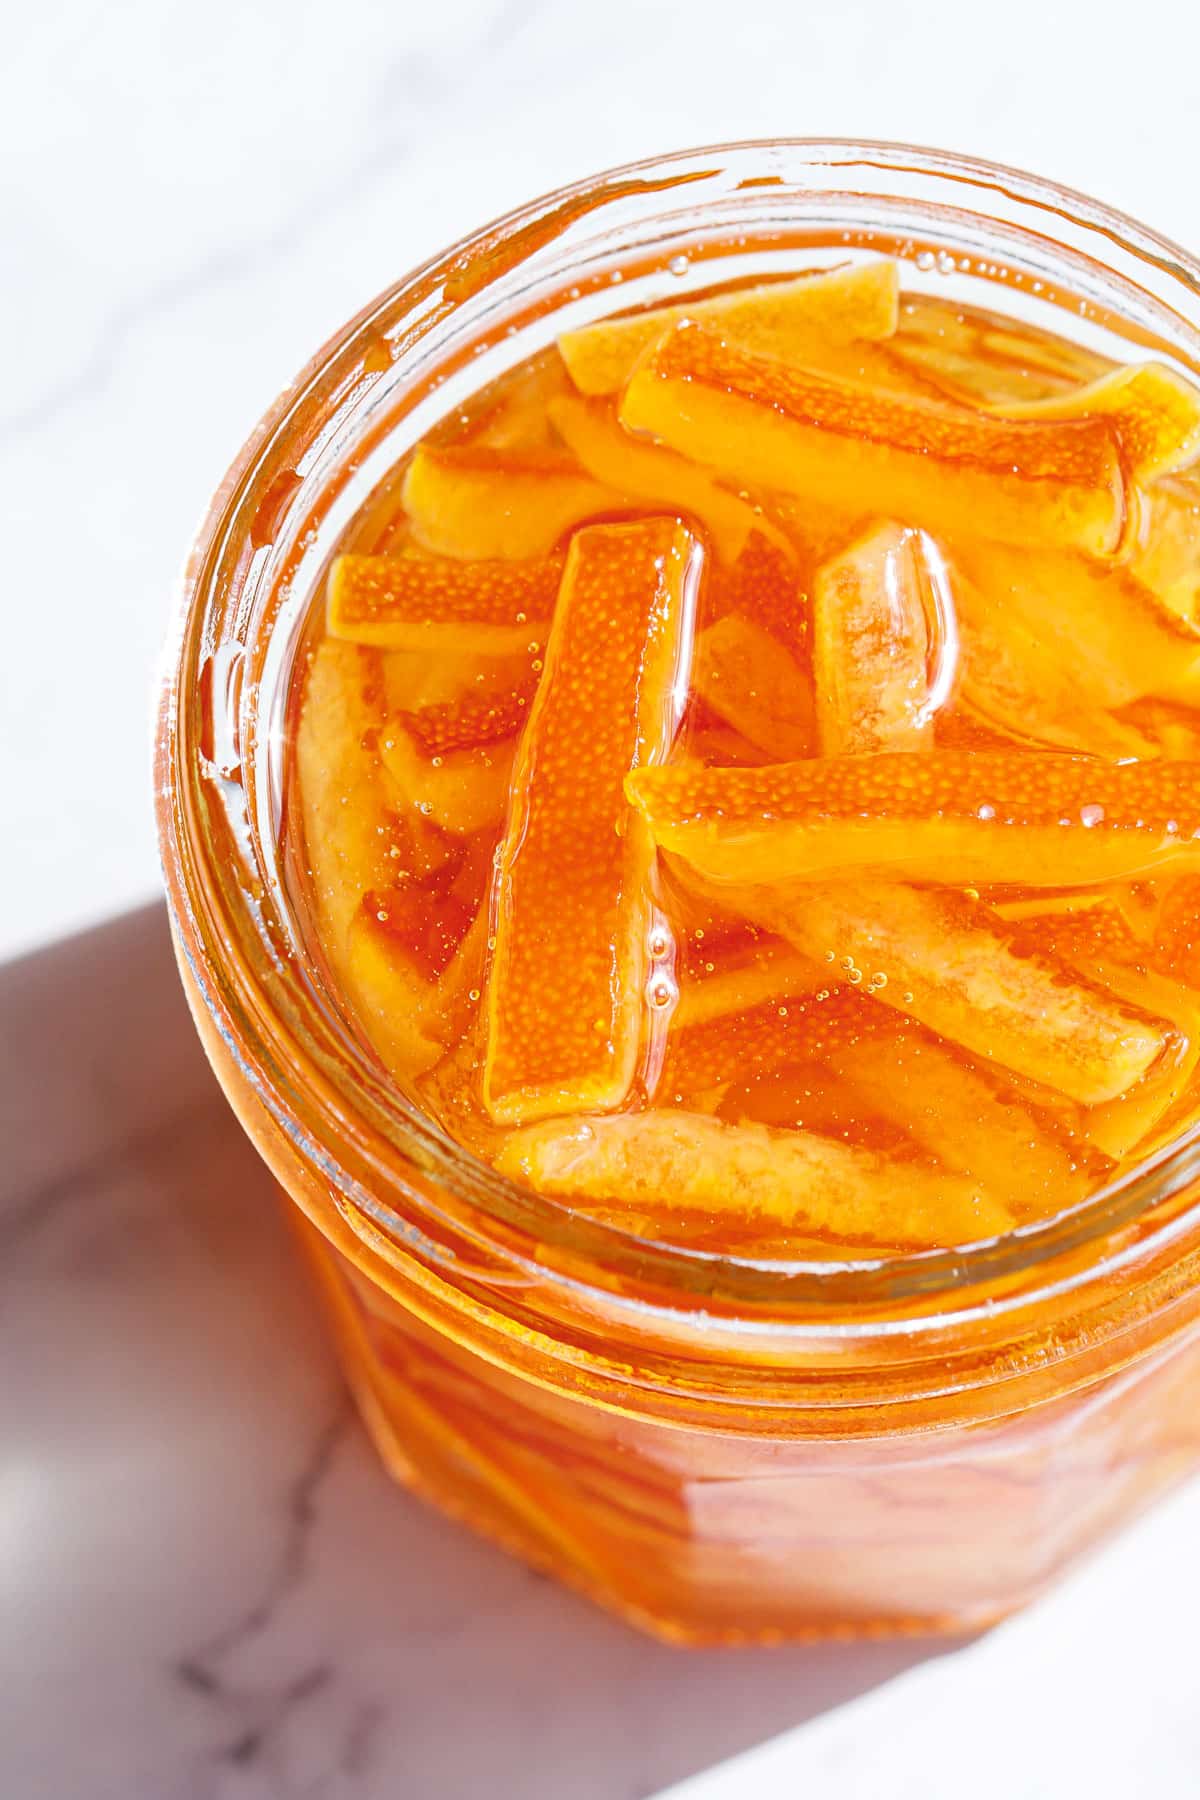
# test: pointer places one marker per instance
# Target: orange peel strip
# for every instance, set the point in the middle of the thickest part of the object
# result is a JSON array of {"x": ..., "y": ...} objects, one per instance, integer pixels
[
  {"x": 1100, "y": 943},
  {"x": 765, "y": 586},
  {"x": 1177, "y": 936},
  {"x": 955, "y": 966},
  {"x": 657, "y": 477},
  {"x": 873, "y": 607},
  {"x": 463, "y": 791},
  {"x": 963, "y": 1117},
  {"x": 1168, "y": 560},
  {"x": 1115, "y": 637},
  {"x": 1018, "y": 680},
  {"x": 747, "y": 677},
  {"x": 1154, "y": 413},
  {"x": 790, "y": 320},
  {"x": 339, "y": 787},
  {"x": 690, "y": 1161},
  {"x": 890, "y": 1067},
  {"x": 390, "y": 996},
  {"x": 572, "y": 912},
  {"x": 960, "y": 816},
  {"x": 476, "y": 720},
  {"x": 496, "y": 505},
  {"x": 758, "y": 971},
  {"x": 510, "y": 414},
  {"x": 706, "y": 1048},
  {"x": 976, "y": 358},
  {"x": 848, "y": 445},
  {"x": 413, "y": 682},
  {"x": 440, "y": 604}
]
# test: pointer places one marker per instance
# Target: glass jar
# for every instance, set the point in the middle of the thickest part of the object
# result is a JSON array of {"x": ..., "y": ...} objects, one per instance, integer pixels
[{"x": 721, "y": 1450}]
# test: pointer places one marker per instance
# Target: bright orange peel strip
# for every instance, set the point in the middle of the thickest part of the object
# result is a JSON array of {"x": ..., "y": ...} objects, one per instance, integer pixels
[
  {"x": 437, "y": 604},
  {"x": 889, "y": 1067},
  {"x": 340, "y": 787},
  {"x": 954, "y": 966},
  {"x": 1167, "y": 562},
  {"x": 847, "y": 445},
  {"x": 1154, "y": 413},
  {"x": 1114, "y": 635},
  {"x": 391, "y": 997},
  {"x": 463, "y": 791},
  {"x": 657, "y": 477},
  {"x": 790, "y": 320},
  {"x": 1101, "y": 944},
  {"x": 688, "y": 1161},
  {"x": 873, "y": 647},
  {"x": 1018, "y": 679},
  {"x": 969, "y": 817},
  {"x": 572, "y": 912},
  {"x": 751, "y": 681},
  {"x": 475, "y": 720},
  {"x": 508, "y": 506},
  {"x": 756, "y": 971}
]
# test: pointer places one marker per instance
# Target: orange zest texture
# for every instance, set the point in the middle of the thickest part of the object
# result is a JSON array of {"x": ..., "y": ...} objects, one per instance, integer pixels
[
  {"x": 655, "y": 476},
  {"x": 874, "y": 608},
  {"x": 1154, "y": 415},
  {"x": 565, "y": 998},
  {"x": 946, "y": 962},
  {"x": 1039, "y": 482},
  {"x": 438, "y": 603},
  {"x": 953, "y": 817},
  {"x": 794, "y": 1178},
  {"x": 746, "y": 770},
  {"x": 787, "y": 319},
  {"x": 512, "y": 506}
]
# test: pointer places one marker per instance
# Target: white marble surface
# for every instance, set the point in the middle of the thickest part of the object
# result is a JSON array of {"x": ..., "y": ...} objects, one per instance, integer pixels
[{"x": 207, "y": 1590}]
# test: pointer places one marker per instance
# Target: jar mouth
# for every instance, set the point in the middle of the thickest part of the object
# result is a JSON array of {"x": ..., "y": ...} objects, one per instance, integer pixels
[{"x": 217, "y": 772}]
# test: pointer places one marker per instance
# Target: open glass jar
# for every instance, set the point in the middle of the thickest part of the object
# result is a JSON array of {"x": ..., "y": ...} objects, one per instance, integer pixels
[{"x": 722, "y": 1450}]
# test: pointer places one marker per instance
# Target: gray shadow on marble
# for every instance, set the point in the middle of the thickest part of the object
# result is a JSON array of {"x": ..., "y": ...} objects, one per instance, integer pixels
[{"x": 210, "y": 1590}]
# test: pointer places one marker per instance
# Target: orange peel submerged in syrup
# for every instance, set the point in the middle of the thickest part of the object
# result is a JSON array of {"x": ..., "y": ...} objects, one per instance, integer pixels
[{"x": 753, "y": 797}]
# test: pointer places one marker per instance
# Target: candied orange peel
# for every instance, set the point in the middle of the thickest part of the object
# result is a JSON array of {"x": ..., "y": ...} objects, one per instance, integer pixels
[
  {"x": 844, "y": 444},
  {"x": 955, "y": 816},
  {"x": 953, "y": 965},
  {"x": 791, "y": 319},
  {"x": 753, "y": 682},
  {"x": 1116, "y": 637},
  {"x": 391, "y": 996},
  {"x": 795, "y": 1178},
  {"x": 1153, "y": 411},
  {"x": 436, "y": 604},
  {"x": 657, "y": 477},
  {"x": 337, "y": 773},
  {"x": 1167, "y": 558},
  {"x": 874, "y": 644},
  {"x": 749, "y": 781},
  {"x": 512, "y": 506},
  {"x": 572, "y": 910},
  {"x": 463, "y": 791},
  {"x": 1021, "y": 681}
]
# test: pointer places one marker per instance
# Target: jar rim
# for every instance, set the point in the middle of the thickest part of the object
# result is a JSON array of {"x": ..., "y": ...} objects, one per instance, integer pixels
[{"x": 282, "y": 1050}]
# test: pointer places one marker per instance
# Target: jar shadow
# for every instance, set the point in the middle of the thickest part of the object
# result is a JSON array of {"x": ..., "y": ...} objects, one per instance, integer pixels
[{"x": 213, "y": 1570}]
